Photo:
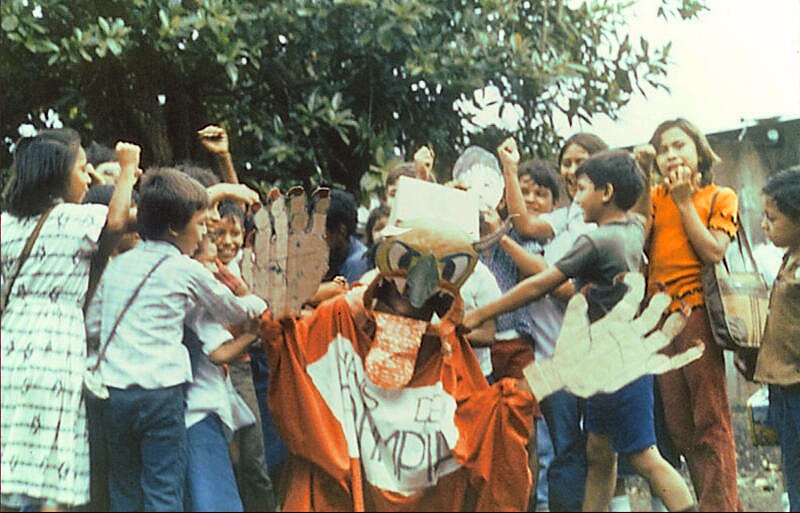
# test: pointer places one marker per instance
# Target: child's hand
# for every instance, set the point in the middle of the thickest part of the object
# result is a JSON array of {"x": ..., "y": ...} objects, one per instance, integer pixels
[
  {"x": 509, "y": 154},
  {"x": 644, "y": 155},
  {"x": 471, "y": 320},
  {"x": 682, "y": 184},
  {"x": 423, "y": 162},
  {"x": 492, "y": 220},
  {"x": 128, "y": 158},
  {"x": 215, "y": 139}
]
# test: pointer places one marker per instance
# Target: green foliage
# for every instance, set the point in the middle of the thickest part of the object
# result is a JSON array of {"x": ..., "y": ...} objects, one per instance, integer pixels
[{"x": 318, "y": 91}]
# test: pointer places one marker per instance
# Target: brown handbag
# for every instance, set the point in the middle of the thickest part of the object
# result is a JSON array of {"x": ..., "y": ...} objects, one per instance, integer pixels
[{"x": 737, "y": 299}]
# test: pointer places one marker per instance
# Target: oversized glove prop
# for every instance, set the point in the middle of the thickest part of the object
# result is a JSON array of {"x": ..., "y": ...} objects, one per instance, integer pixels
[
  {"x": 289, "y": 255},
  {"x": 612, "y": 352}
]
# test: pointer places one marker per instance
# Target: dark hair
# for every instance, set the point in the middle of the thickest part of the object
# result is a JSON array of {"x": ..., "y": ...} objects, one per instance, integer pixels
[
  {"x": 97, "y": 153},
  {"x": 589, "y": 142},
  {"x": 377, "y": 212},
  {"x": 619, "y": 169},
  {"x": 231, "y": 209},
  {"x": 341, "y": 211},
  {"x": 169, "y": 199},
  {"x": 706, "y": 157},
  {"x": 542, "y": 173},
  {"x": 205, "y": 176},
  {"x": 784, "y": 188},
  {"x": 101, "y": 194},
  {"x": 42, "y": 167},
  {"x": 401, "y": 169}
]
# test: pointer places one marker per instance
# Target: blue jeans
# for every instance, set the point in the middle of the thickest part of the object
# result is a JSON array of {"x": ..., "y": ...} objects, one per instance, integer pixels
[
  {"x": 784, "y": 415},
  {"x": 545, "y": 453},
  {"x": 210, "y": 483},
  {"x": 146, "y": 435},
  {"x": 566, "y": 477}
]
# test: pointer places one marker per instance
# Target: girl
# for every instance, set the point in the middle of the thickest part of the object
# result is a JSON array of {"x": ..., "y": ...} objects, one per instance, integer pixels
[
  {"x": 45, "y": 451},
  {"x": 684, "y": 235},
  {"x": 779, "y": 357}
]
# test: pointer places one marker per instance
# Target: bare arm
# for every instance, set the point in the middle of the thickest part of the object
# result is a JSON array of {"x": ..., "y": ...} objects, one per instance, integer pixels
[
  {"x": 232, "y": 348},
  {"x": 483, "y": 335},
  {"x": 527, "y": 225},
  {"x": 710, "y": 245},
  {"x": 215, "y": 139},
  {"x": 523, "y": 293},
  {"x": 530, "y": 264}
]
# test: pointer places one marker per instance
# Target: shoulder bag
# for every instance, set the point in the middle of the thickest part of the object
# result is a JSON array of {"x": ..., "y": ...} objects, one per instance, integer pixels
[{"x": 736, "y": 299}]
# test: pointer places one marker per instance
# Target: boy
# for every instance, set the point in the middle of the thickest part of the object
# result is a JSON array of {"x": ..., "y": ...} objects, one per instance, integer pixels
[
  {"x": 255, "y": 485},
  {"x": 778, "y": 362},
  {"x": 146, "y": 367},
  {"x": 608, "y": 185}
]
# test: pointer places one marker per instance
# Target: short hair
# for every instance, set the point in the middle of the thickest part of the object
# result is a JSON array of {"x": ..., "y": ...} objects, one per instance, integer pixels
[
  {"x": 401, "y": 169},
  {"x": 784, "y": 188},
  {"x": 168, "y": 199},
  {"x": 341, "y": 211},
  {"x": 42, "y": 167},
  {"x": 231, "y": 209},
  {"x": 97, "y": 153},
  {"x": 205, "y": 176},
  {"x": 101, "y": 195},
  {"x": 706, "y": 156},
  {"x": 589, "y": 142},
  {"x": 542, "y": 173},
  {"x": 618, "y": 168}
]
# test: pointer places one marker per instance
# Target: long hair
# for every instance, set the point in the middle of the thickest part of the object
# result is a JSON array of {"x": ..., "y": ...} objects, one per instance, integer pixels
[
  {"x": 706, "y": 156},
  {"x": 42, "y": 167}
]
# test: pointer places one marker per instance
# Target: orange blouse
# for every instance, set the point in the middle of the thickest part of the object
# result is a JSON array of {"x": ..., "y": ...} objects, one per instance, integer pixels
[{"x": 673, "y": 264}]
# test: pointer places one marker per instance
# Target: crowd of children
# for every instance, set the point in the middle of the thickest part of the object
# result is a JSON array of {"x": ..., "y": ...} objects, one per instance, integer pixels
[{"x": 148, "y": 282}]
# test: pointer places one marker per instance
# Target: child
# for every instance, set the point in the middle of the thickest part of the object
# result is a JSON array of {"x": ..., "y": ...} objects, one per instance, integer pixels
[
  {"x": 45, "y": 451},
  {"x": 255, "y": 485},
  {"x": 214, "y": 411},
  {"x": 684, "y": 236},
  {"x": 146, "y": 367},
  {"x": 607, "y": 186},
  {"x": 561, "y": 227},
  {"x": 778, "y": 362}
]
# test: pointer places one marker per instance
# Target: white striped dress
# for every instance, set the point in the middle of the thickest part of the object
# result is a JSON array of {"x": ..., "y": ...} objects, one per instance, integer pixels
[{"x": 45, "y": 450}]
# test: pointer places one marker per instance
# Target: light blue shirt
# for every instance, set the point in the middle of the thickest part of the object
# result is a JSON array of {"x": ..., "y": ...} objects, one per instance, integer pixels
[{"x": 147, "y": 348}]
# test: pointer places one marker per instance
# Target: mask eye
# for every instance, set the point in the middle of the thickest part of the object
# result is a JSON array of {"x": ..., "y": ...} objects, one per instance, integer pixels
[
  {"x": 456, "y": 266},
  {"x": 401, "y": 256}
]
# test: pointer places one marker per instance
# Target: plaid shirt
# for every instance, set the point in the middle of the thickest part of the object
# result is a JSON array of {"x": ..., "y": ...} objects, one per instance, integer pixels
[{"x": 146, "y": 349}]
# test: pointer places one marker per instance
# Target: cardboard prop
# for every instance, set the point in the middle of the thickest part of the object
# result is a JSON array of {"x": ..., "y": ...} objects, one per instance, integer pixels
[{"x": 384, "y": 410}]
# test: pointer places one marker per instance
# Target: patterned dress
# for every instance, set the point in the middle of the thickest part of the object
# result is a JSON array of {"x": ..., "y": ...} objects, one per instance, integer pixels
[{"x": 45, "y": 450}]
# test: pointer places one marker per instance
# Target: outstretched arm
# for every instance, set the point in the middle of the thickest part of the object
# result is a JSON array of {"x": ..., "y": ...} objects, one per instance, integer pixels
[
  {"x": 530, "y": 264},
  {"x": 523, "y": 293},
  {"x": 612, "y": 352}
]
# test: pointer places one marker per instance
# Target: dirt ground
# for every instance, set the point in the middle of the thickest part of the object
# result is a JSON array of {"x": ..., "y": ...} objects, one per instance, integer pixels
[{"x": 759, "y": 473}]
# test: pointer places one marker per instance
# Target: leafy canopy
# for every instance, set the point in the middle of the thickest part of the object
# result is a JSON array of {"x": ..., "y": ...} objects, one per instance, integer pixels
[{"x": 319, "y": 91}]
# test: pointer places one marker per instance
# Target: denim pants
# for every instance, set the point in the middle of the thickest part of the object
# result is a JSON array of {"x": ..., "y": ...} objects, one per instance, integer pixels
[
  {"x": 784, "y": 415},
  {"x": 566, "y": 477},
  {"x": 210, "y": 483},
  {"x": 146, "y": 436}
]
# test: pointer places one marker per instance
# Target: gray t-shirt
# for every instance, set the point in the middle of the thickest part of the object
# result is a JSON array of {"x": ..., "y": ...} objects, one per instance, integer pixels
[{"x": 599, "y": 256}]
